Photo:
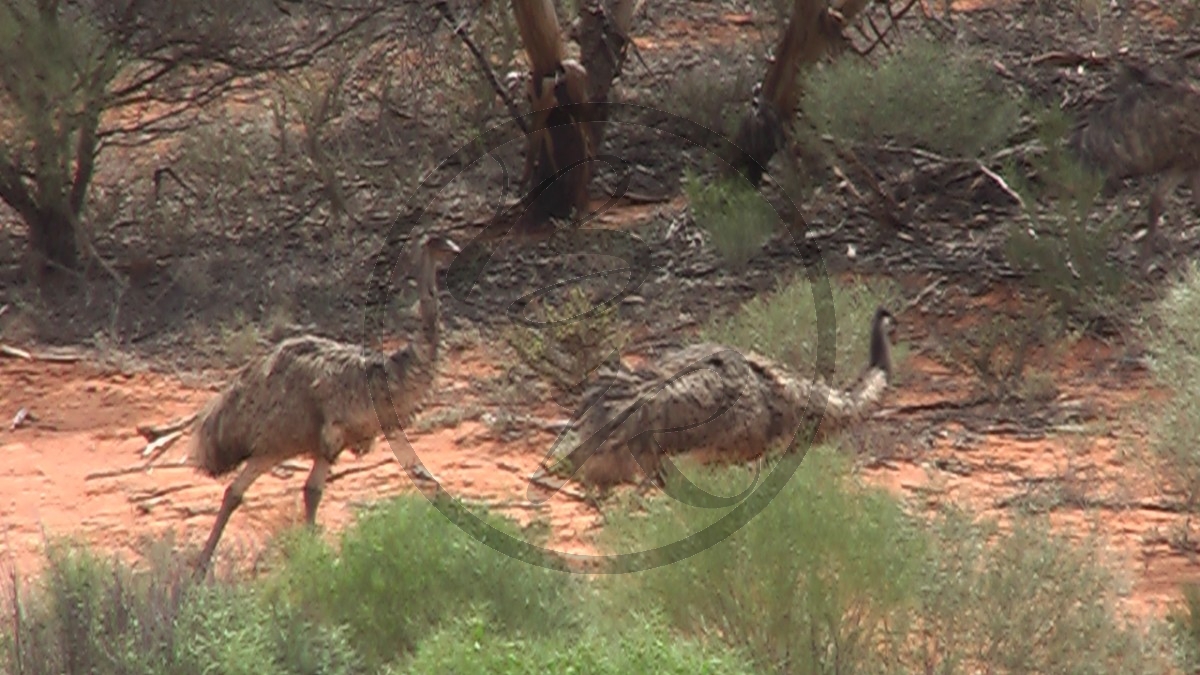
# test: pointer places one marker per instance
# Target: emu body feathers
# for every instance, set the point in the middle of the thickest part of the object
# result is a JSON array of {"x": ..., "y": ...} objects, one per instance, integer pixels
[
  {"x": 710, "y": 398},
  {"x": 317, "y": 397}
]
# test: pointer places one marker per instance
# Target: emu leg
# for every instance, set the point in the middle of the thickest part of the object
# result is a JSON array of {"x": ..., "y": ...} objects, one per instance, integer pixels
[
  {"x": 1155, "y": 241},
  {"x": 313, "y": 487},
  {"x": 255, "y": 467}
]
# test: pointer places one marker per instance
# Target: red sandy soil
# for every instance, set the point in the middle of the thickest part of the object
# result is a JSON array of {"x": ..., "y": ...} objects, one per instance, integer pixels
[{"x": 86, "y": 422}]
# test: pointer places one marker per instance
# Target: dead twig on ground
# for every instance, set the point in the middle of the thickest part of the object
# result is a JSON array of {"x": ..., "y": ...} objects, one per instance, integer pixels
[
  {"x": 154, "y": 432},
  {"x": 130, "y": 470},
  {"x": 358, "y": 469},
  {"x": 13, "y": 352},
  {"x": 541, "y": 480},
  {"x": 1069, "y": 60},
  {"x": 23, "y": 415},
  {"x": 156, "y": 448}
]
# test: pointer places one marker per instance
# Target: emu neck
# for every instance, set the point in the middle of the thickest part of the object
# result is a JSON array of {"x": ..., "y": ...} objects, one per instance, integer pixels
[
  {"x": 881, "y": 350},
  {"x": 428, "y": 307}
]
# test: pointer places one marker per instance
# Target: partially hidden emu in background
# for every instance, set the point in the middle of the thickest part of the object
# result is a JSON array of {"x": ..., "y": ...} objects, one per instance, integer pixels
[
  {"x": 712, "y": 399},
  {"x": 1150, "y": 127},
  {"x": 316, "y": 397}
]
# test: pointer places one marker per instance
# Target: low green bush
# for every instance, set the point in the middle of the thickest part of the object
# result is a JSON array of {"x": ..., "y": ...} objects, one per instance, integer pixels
[
  {"x": 1173, "y": 335},
  {"x": 736, "y": 217},
  {"x": 807, "y": 584},
  {"x": 924, "y": 95},
  {"x": 471, "y": 646},
  {"x": 86, "y": 614},
  {"x": 404, "y": 569},
  {"x": 834, "y": 577}
]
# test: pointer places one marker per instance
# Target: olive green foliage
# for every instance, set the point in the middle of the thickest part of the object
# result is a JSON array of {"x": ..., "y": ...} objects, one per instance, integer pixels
[
  {"x": 90, "y": 615},
  {"x": 643, "y": 646},
  {"x": 1174, "y": 340},
  {"x": 833, "y": 577},
  {"x": 806, "y": 584},
  {"x": 736, "y": 217},
  {"x": 405, "y": 569},
  {"x": 1063, "y": 248},
  {"x": 783, "y": 325},
  {"x": 923, "y": 95}
]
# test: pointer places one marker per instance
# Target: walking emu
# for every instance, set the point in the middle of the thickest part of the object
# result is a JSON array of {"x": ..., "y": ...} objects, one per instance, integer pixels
[
  {"x": 316, "y": 397},
  {"x": 710, "y": 398},
  {"x": 1151, "y": 127}
]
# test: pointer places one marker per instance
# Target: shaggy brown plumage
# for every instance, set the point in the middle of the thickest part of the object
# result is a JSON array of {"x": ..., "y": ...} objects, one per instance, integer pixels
[
  {"x": 1150, "y": 127},
  {"x": 316, "y": 397},
  {"x": 710, "y": 399}
]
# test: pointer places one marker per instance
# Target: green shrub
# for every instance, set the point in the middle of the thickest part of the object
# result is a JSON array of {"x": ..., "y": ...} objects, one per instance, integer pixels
[
  {"x": 808, "y": 583},
  {"x": 924, "y": 95},
  {"x": 736, "y": 217},
  {"x": 783, "y": 325},
  {"x": 1184, "y": 621},
  {"x": 833, "y": 577},
  {"x": 89, "y": 615},
  {"x": 1031, "y": 601},
  {"x": 403, "y": 570},
  {"x": 470, "y": 646},
  {"x": 1174, "y": 341},
  {"x": 1063, "y": 249}
]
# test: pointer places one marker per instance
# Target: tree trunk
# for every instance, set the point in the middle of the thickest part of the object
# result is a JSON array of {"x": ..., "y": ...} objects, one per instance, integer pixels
[
  {"x": 52, "y": 241},
  {"x": 603, "y": 35},
  {"x": 814, "y": 30},
  {"x": 559, "y": 148}
]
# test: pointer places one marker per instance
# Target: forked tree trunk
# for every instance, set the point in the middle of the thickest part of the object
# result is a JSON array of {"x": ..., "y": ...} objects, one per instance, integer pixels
[
  {"x": 558, "y": 148},
  {"x": 569, "y": 101},
  {"x": 603, "y": 45},
  {"x": 814, "y": 30}
]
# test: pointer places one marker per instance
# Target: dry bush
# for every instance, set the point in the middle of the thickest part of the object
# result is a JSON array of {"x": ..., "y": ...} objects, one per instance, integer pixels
[
  {"x": 999, "y": 352},
  {"x": 568, "y": 339},
  {"x": 1173, "y": 335}
]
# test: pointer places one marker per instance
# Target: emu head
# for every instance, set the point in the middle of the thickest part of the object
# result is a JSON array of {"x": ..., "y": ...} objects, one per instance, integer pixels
[
  {"x": 882, "y": 326},
  {"x": 434, "y": 251}
]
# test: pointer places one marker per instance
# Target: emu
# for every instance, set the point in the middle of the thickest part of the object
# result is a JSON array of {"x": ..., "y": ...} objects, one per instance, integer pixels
[
  {"x": 708, "y": 398},
  {"x": 1151, "y": 127},
  {"x": 315, "y": 396}
]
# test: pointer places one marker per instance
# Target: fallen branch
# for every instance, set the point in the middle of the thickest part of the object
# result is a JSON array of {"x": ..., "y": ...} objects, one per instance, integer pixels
[
  {"x": 920, "y": 297},
  {"x": 543, "y": 482},
  {"x": 147, "y": 495},
  {"x": 358, "y": 469},
  {"x": 15, "y": 353},
  {"x": 57, "y": 358},
  {"x": 113, "y": 473},
  {"x": 1001, "y": 182},
  {"x": 1069, "y": 60},
  {"x": 154, "y": 432},
  {"x": 23, "y": 415}
]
